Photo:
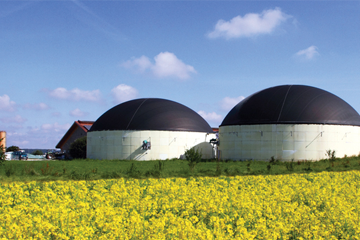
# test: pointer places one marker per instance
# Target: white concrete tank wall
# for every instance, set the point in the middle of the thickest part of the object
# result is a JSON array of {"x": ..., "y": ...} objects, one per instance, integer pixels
[
  {"x": 286, "y": 142},
  {"x": 164, "y": 144}
]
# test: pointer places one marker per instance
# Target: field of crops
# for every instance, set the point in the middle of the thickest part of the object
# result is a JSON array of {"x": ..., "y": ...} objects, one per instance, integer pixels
[{"x": 310, "y": 206}]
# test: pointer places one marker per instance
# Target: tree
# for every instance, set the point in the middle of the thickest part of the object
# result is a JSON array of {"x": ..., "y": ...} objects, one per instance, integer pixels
[
  {"x": 78, "y": 148},
  {"x": 13, "y": 149},
  {"x": 37, "y": 152}
]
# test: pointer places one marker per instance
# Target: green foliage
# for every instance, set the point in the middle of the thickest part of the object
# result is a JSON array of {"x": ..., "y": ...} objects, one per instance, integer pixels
[
  {"x": 81, "y": 176},
  {"x": 9, "y": 170},
  {"x": 13, "y": 149},
  {"x": 46, "y": 169},
  {"x": 290, "y": 165},
  {"x": 95, "y": 169},
  {"x": 308, "y": 166},
  {"x": 193, "y": 156},
  {"x": 30, "y": 170},
  {"x": 78, "y": 148},
  {"x": 218, "y": 169},
  {"x": 248, "y": 168},
  {"x": 274, "y": 161},
  {"x": 156, "y": 171},
  {"x": 133, "y": 171},
  {"x": 331, "y": 154},
  {"x": 268, "y": 167},
  {"x": 38, "y": 152},
  {"x": 109, "y": 175},
  {"x": 231, "y": 171}
]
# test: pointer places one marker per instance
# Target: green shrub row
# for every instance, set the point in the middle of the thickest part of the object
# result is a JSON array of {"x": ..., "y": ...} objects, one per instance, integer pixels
[{"x": 104, "y": 169}]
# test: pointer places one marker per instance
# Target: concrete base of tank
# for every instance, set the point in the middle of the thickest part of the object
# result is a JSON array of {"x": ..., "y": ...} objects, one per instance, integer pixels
[
  {"x": 287, "y": 142},
  {"x": 164, "y": 144}
]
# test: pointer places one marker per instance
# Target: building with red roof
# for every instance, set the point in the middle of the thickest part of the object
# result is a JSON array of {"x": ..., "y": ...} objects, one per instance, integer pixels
[{"x": 77, "y": 130}]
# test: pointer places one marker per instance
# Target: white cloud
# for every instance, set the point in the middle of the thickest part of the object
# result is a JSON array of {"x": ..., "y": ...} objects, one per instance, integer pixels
[
  {"x": 308, "y": 53},
  {"x": 75, "y": 94},
  {"x": 15, "y": 119},
  {"x": 251, "y": 24},
  {"x": 36, "y": 106},
  {"x": 228, "y": 103},
  {"x": 141, "y": 64},
  {"x": 212, "y": 116},
  {"x": 122, "y": 93},
  {"x": 9, "y": 133},
  {"x": 78, "y": 113},
  {"x": 56, "y": 127},
  {"x": 6, "y": 104},
  {"x": 21, "y": 139},
  {"x": 166, "y": 65}
]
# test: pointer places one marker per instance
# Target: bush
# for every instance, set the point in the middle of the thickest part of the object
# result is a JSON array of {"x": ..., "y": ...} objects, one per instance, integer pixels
[
  {"x": 13, "y": 149},
  {"x": 193, "y": 156},
  {"x": 78, "y": 148},
  {"x": 331, "y": 154}
]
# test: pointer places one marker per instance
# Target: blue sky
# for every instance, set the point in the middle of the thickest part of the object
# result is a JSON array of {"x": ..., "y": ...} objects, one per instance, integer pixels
[{"x": 62, "y": 61}]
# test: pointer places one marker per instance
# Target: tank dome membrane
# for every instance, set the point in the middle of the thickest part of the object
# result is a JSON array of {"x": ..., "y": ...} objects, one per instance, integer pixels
[
  {"x": 151, "y": 114},
  {"x": 292, "y": 104}
]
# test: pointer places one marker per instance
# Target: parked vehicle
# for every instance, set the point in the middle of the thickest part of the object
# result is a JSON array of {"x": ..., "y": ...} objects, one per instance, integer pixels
[
  {"x": 8, "y": 156},
  {"x": 59, "y": 155},
  {"x": 20, "y": 155},
  {"x": 50, "y": 155}
]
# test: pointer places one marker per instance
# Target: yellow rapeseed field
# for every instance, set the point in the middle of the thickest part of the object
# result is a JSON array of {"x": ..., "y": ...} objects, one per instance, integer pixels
[{"x": 298, "y": 206}]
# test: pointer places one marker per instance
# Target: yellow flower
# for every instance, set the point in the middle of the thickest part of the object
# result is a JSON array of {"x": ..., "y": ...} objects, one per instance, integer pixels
[{"x": 301, "y": 206}]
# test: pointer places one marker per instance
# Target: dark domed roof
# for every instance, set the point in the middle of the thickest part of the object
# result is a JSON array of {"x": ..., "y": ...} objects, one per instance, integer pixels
[
  {"x": 151, "y": 114},
  {"x": 292, "y": 104}
]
